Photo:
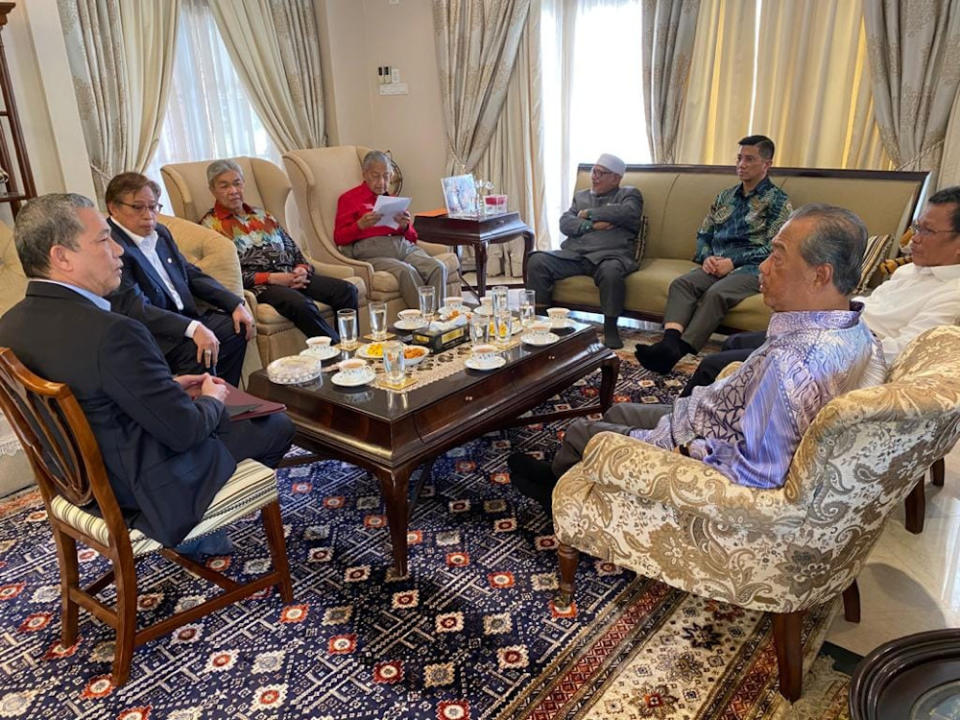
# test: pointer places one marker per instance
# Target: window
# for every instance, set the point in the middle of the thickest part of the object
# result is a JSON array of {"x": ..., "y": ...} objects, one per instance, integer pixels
[
  {"x": 209, "y": 114},
  {"x": 592, "y": 90}
]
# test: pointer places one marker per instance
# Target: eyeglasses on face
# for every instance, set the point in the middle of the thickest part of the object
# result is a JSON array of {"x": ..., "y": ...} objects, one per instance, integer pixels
[
  {"x": 140, "y": 207},
  {"x": 919, "y": 229},
  {"x": 600, "y": 172}
]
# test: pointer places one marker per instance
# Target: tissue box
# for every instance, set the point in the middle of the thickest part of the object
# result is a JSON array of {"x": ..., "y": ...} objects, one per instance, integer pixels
[
  {"x": 443, "y": 336},
  {"x": 494, "y": 204}
]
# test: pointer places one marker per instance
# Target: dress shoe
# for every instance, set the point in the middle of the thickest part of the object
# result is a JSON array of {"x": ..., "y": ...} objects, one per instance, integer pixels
[{"x": 533, "y": 478}]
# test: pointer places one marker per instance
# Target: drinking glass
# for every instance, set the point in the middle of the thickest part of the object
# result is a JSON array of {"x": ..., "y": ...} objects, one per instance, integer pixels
[
  {"x": 479, "y": 329},
  {"x": 427, "y": 295},
  {"x": 528, "y": 305},
  {"x": 378, "y": 320},
  {"x": 501, "y": 299},
  {"x": 394, "y": 363},
  {"x": 503, "y": 323},
  {"x": 347, "y": 327}
]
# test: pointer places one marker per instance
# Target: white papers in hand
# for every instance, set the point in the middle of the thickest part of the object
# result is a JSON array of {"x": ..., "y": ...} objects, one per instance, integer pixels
[{"x": 388, "y": 207}]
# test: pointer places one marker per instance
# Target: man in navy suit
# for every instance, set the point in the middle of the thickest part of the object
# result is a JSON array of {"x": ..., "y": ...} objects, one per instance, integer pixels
[
  {"x": 160, "y": 288},
  {"x": 167, "y": 443}
]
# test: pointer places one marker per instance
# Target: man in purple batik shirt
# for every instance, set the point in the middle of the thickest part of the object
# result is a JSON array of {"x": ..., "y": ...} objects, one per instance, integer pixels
[{"x": 749, "y": 424}]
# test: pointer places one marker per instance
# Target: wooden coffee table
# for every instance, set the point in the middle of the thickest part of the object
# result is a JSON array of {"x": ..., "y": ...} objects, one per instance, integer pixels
[{"x": 391, "y": 434}]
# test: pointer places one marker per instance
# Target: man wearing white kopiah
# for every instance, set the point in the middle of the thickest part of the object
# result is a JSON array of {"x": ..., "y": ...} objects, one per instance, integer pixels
[{"x": 601, "y": 229}]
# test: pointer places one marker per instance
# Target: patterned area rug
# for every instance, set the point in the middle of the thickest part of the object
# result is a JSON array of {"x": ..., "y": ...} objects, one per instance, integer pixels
[{"x": 471, "y": 633}]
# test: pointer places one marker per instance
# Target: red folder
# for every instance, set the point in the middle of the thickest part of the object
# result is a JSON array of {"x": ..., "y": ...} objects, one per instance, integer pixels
[{"x": 244, "y": 406}]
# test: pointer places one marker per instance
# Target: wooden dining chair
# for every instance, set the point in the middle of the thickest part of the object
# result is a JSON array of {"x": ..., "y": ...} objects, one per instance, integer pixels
[{"x": 81, "y": 505}]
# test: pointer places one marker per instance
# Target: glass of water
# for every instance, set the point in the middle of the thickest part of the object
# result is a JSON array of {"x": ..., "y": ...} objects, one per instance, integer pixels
[
  {"x": 479, "y": 329},
  {"x": 378, "y": 320},
  {"x": 528, "y": 305},
  {"x": 394, "y": 363},
  {"x": 501, "y": 299},
  {"x": 427, "y": 295},
  {"x": 347, "y": 327}
]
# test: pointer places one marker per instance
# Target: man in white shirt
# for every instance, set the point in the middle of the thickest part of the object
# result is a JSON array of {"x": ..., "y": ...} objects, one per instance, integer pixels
[
  {"x": 160, "y": 288},
  {"x": 917, "y": 297}
]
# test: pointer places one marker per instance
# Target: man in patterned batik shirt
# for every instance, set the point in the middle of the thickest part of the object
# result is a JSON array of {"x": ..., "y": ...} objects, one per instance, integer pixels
[
  {"x": 731, "y": 243},
  {"x": 749, "y": 424},
  {"x": 272, "y": 265}
]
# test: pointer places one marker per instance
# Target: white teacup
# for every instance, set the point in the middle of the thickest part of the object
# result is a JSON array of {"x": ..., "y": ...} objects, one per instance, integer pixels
[
  {"x": 558, "y": 316},
  {"x": 485, "y": 353},
  {"x": 320, "y": 342},
  {"x": 410, "y": 314},
  {"x": 540, "y": 327},
  {"x": 454, "y": 302},
  {"x": 354, "y": 368}
]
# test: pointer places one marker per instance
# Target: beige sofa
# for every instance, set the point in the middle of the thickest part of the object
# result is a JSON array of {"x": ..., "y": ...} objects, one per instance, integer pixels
[
  {"x": 266, "y": 186},
  {"x": 15, "y": 471},
  {"x": 677, "y": 197},
  {"x": 320, "y": 176}
]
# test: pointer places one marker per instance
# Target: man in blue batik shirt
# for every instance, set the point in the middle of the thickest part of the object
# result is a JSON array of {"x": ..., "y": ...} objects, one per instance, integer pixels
[{"x": 749, "y": 424}]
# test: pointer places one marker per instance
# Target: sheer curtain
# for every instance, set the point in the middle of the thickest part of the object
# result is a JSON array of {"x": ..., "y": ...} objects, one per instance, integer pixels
[
  {"x": 209, "y": 114},
  {"x": 593, "y": 91}
]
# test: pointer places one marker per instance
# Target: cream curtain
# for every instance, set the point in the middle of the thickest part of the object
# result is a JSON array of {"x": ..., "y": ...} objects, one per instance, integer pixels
[
  {"x": 513, "y": 161},
  {"x": 914, "y": 50},
  {"x": 275, "y": 48},
  {"x": 476, "y": 42},
  {"x": 950, "y": 164},
  {"x": 669, "y": 28},
  {"x": 121, "y": 57},
  {"x": 795, "y": 71}
]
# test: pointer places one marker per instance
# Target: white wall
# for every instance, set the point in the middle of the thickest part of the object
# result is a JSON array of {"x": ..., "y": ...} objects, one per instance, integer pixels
[{"x": 357, "y": 36}]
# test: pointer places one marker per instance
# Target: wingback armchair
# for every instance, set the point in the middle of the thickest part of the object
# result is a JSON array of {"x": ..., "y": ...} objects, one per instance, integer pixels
[
  {"x": 320, "y": 176},
  {"x": 783, "y": 551},
  {"x": 266, "y": 186},
  {"x": 15, "y": 472}
]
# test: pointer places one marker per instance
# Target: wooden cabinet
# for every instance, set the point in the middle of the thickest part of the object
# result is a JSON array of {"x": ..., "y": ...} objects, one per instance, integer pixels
[{"x": 16, "y": 178}]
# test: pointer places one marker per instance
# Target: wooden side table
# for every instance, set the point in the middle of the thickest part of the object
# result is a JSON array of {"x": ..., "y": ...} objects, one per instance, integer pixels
[{"x": 477, "y": 233}]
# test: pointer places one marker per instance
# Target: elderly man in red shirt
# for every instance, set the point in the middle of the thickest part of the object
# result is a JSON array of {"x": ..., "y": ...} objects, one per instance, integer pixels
[{"x": 359, "y": 234}]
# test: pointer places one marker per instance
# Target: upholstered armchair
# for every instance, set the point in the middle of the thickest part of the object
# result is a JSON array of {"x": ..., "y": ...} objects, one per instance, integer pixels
[
  {"x": 320, "y": 176},
  {"x": 15, "y": 472},
  {"x": 266, "y": 186},
  {"x": 782, "y": 551}
]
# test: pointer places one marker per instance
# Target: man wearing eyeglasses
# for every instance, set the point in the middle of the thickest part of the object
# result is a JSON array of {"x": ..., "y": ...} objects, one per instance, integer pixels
[
  {"x": 160, "y": 288},
  {"x": 732, "y": 241},
  {"x": 601, "y": 229},
  {"x": 918, "y": 296}
]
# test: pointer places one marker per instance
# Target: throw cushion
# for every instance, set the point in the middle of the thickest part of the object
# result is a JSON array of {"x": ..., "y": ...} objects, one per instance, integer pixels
[{"x": 877, "y": 248}]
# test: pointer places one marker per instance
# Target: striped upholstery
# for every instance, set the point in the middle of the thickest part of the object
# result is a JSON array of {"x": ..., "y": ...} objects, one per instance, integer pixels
[
  {"x": 878, "y": 246},
  {"x": 250, "y": 488}
]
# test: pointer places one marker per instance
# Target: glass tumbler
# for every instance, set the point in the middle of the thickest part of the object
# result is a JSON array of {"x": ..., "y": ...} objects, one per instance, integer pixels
[
  {"x": 378, "y": 320},
  {"x": 394, "y": 363},
  {"x": 427, "y": 295},
  {"x": 528, "y": 306},
  {"x": 504, "y": 327},
  {"x": 347, "y": 327},
  {"x": 479, "y": 329},
  {"x": 501, "y": 299}
]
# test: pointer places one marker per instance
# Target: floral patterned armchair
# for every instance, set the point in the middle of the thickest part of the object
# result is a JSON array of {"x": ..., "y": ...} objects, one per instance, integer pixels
[{"x": 783, "y": 551}]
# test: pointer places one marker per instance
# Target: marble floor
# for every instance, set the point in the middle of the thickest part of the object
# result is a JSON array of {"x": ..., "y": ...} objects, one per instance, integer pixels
[{"x": 911, "y": 582}]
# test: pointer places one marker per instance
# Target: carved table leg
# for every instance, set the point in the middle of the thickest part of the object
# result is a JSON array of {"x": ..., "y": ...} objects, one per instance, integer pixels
[
  {"x": 608, "y": 381},
  {"x": 393, "y": 489},
  {"x": 480, "y": 257}
]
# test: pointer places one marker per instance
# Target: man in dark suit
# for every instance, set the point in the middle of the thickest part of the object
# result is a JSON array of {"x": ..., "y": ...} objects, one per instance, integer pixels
[
  {"x": 167, "y": 443},
  {"x": 160, "y": 288}
]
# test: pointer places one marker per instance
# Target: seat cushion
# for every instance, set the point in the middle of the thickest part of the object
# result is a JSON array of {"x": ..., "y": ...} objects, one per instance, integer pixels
[
  {"x": 250, "y": 487},
  {"x": 647, "y": 290},
  {"x": 270, "y": 321}
]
